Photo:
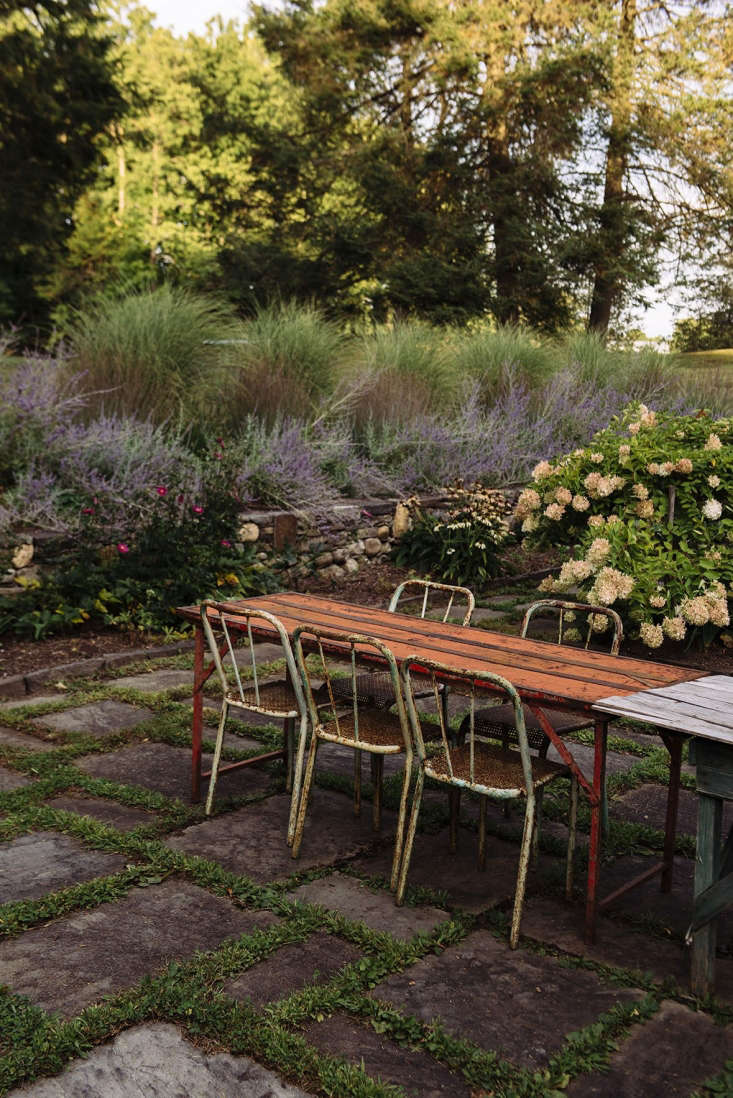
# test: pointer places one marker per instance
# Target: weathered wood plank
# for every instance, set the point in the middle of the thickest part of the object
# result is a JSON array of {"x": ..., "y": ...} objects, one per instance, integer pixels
[{"x": 665, "y": 713}]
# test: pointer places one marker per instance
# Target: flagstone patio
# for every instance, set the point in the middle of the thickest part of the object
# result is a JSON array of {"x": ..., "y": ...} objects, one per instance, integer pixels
[{"x": 147, "y": 950}]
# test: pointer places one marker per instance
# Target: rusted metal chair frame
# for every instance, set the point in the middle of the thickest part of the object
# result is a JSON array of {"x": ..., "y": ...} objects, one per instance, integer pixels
[
  {"x": 531, "y": 772},
  {"x": 500, "y": 726},
  {"x": 332, "y": 724},
  {"x": 375, "y": 688},
  {"x": 252, "y": 697}
]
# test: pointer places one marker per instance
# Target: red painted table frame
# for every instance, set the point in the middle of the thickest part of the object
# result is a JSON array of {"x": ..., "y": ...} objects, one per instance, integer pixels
[{"x": 545, "y": 676}]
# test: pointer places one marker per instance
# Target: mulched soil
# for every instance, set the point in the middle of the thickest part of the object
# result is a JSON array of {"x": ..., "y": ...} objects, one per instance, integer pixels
[{"x": 371, "y": 587}]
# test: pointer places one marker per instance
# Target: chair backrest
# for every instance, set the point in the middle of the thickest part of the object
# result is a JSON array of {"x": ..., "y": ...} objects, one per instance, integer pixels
[
  {"x": 566, "y": 609},
  {"x": 322, "y": 646},
  {"x": 234, "y": 626},
  {"x": 416, "y": 587},
  {"x": 475, "y": 685}
]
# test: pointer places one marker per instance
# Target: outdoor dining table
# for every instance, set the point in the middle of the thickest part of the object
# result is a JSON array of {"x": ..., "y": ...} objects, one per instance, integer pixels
[
  {"x": 702, "y": 709},
  {"x": 545, "y": 675}
]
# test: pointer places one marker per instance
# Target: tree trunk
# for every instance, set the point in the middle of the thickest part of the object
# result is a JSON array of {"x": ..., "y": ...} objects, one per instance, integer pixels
[{"x": 607, "y": 276}]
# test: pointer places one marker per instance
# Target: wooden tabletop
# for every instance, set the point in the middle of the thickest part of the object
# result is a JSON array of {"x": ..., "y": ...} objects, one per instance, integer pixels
[
  {"x": 570, "y": 677},
  {"x": 703, "y": 707}
]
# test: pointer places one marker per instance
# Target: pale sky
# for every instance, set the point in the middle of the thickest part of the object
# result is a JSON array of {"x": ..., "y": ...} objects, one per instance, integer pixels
[{"x": 192, "y": 15}]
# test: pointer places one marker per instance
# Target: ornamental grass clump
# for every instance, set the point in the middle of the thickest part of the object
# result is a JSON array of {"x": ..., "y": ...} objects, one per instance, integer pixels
[
  {"x": 462, "y": 545},
  {"x": 648, "y": 508}
]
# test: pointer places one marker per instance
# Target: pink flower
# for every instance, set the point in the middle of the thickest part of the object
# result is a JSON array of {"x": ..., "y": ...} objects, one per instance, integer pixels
[
  {"x": 161, "y": 490},
  {"x": 87, "y": 510},
  {"x": 179, "y": 499},
  {"x": 218, "y": 455},
  {"x": 122, "y": 547},
  {"x": 197, "y": 509},
  {"x": 226, "y": 544},
  {"x": 220, "y": 441}
]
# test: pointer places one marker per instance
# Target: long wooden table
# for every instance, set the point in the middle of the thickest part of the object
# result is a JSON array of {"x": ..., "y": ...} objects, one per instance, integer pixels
[
  {"x": 544, "y": 674},
  {"x": 703, "y": 709}
]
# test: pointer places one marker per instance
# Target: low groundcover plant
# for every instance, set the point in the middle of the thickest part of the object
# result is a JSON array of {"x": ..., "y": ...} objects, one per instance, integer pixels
[{"x": 648, "y": 508}]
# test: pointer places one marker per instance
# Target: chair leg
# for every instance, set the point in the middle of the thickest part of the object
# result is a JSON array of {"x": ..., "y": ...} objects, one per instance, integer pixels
[
  {"x": 400, "y": 833},
  {"x": 482, "y": 833},
  {"x": 217, "y": 756},
  {"x": 572, "y": 823},
  {"x": 303, "y": 806},
  {"x": 357, "y": 783},
  {"x": 524, "y": 856},
  {"x": 444, "y": 709},
  {"x": 537, "y": 826},
  {"x": 454, "y": 807},
  {"x": 297, "y": 779},
  {"x": 377, "y": 775},
  {"x": 410, "y": 838},
  {"x": 288, "y": 736}
]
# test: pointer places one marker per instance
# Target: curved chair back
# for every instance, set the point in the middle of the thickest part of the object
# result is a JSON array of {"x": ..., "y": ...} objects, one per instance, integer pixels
[
  {"x": 428, "y": 588},
  {"x": 333, "y": 644},
  {"x": 563, "y": 608},
  {"x": 478, "y": 683},
  {"x": 234, "y": 624}
]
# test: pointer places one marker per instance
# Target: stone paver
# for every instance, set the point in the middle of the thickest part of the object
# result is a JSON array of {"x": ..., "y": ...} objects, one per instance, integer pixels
[
  {"x": 101, "y": 719},
  {"x": 470, "y": 986},
  {"x": 10, "y": 738},
  {"x": 293, "y": 966},
  {"x": 667, "y": 1057},
  {"x": 252, "y": 840},
  {"x": 122, "y": 816},
  {"x": 10, "y": 780},
  {"x": 418, "y": 1074},
  {"x": 166, "y": 769},
  {"x": 45, "y": 861},
  {"x": 76, "y": 961},
  {"x": 433, "y": 866},
  {"x": 483, "y": 613},
  {"x": 647, "y": 804},
  {"x": 156, "y": 1061},
  {"x": 377, "y": 910},
  {"x": 152, "y": 682},
  {"x": 616, "y": 761},
  {"x": 30, "y": 699}
]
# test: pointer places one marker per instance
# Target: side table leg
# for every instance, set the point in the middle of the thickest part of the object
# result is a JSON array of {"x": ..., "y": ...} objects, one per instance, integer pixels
[
  {"x": 198, "y": 714},
  {"x": 709, "y": 817}
]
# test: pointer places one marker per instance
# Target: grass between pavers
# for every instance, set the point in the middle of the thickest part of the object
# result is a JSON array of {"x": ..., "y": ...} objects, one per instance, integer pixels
[{"x": 184, "y": 993}]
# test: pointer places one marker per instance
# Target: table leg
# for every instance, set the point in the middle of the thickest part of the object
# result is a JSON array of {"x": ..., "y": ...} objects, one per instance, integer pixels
[
  {"x": 709, "y": 817},
  {"x": 198, "y": 713},
  {"x": 596, "y": 828}
]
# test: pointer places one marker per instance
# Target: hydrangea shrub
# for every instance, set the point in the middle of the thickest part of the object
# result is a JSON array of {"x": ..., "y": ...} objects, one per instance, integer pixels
[{"x": 647, "y": 510}]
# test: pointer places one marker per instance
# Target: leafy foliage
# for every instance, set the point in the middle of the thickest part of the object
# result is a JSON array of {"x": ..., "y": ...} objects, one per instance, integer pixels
[{"x": 462, "y": 546}]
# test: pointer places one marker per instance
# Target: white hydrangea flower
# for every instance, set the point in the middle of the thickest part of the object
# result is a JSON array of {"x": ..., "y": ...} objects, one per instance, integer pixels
[
  {"x": 542, "y": 469},
  {"x": 712, "y": 509},
  {"x": 554, "y": 511},
  {"x": 596, "y": 458},
  {"x": 713, "y": 442},
  {"x": 714, "y": 481},
  {"x": 596, "y": 520},
  {"x": 674, "y": 628},
  {"x": 657, "y": 601},
  {"x": 580, "y": 503},
  {"x": 563, "y": 495},
  {"x": 651, "y": 635},
  {"x": 598, "y": 551}
]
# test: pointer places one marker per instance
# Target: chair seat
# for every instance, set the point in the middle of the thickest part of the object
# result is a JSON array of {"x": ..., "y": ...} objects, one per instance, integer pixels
[
  {"x": 494, "y": 768},
  {"x": 497, "y": 722},
  {"x": 275, "y": 699},
  {"x": 377, "y": 729}
]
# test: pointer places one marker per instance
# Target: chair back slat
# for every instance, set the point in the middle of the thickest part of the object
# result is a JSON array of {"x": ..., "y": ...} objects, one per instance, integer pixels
[
  {"x": 234, "y": 623},
  {"x": 429, "y": 587},
  {"x": 563, "y": 607},
  {"x": 327, "y": 644},
  {"x": 477, "y": 682}
]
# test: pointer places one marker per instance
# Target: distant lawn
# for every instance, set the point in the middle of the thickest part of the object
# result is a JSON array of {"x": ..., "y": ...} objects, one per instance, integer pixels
[{"x": 703, "y": 359}]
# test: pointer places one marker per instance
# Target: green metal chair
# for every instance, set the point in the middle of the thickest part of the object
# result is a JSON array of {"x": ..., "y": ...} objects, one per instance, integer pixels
[
  {"x": 349, "y": 722},
  {"x": 486, "y": 769},
  {"x": 375, "y": 688},
  {"x": 227, "y": 629}
]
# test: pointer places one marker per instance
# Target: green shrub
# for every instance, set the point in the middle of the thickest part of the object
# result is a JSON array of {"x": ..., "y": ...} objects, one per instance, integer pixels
[
  {"x": 494, "y": 356},
  {"x": 286, "y": 363},
  {"x": 156, "y": 354},
  {"x": 648, "y": 508},
  {"x": 402, "y": 371},
  {"x": 461, "y": 546}
]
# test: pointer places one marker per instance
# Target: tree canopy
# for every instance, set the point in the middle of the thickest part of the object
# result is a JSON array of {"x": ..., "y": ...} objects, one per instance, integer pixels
[{"x": 519, "y": 159}]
